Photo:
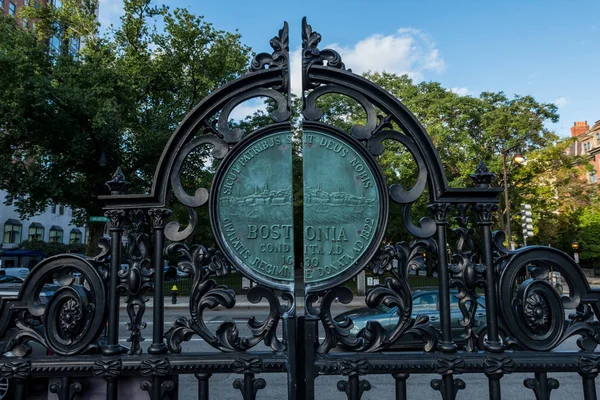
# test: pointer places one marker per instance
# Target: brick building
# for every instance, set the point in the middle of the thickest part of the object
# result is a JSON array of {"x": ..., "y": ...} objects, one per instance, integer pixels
[{"x": 587, "y": 144}]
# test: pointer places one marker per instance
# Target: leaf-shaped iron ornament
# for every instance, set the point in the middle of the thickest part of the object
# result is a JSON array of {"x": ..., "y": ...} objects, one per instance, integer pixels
[
  {"x": 394, "y": 294},
  {"x": 203, "y": 264}
]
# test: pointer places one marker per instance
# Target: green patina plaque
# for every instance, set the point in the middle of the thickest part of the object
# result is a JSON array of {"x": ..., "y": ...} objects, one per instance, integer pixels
[
  {"x": 341, "y": 206},
  {"x": 254, "y": 207}
]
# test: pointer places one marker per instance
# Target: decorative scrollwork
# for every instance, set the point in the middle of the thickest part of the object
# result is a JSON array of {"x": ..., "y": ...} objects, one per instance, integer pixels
[
  {"x": 69, "y": 393},
  {"x": 447, "y": 366},
  {"x": 535, "y": 312},
  {"x": 440, "y": 386},
  {"x": 151, "y": 367},
  {"x": 246, "y": 365},
  {"x": 350, "y": 388},
  {"x": 394, "y": 293},
  {"x": 108, "y": 369},
  {"x": 158, "y": 216},
  {"x": 70, "y": 322},
  {"x": 351, "y": 368},
  {"x": 311, "y": 55},
  {"x": 15, "y": 370},
  {"x": 495, "y": 366},
  {"x": 200, "y": 197},
  {"x": 589, "y": 365},
  {"x": 279, "y": 58},
  {"x": 165, "y": 387},
  {"x": 541, "y": 385},
  {"x": 136, "y": 280},
  {"x": 206, "y": 294},
  {"x": 249, "y": 386},
  {"x": 280, "y": 114},
  {"x": 466, "y": 275},
  {"x": 360, "y": 132}
]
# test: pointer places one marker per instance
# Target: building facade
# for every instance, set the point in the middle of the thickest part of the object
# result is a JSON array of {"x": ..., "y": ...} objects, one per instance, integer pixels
[
  {"x": 588, "y": 145},
  {"x": 53, "y": 226}
]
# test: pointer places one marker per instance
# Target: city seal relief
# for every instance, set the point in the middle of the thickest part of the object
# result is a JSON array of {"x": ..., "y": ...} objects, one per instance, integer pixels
[
  {"x": 341, "y": 206},
  {"x": 254, "y": 214}
]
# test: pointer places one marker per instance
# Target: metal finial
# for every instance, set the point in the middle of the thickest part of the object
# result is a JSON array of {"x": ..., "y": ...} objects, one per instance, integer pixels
[
  {"x": 118, "y": 183},
  {"x": 482, "y": 176}
]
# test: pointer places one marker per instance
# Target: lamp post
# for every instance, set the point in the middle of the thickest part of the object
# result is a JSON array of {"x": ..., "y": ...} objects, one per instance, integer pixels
[
  {"x": 518, "y": 158},
  {"x": 575, "y": 247}
]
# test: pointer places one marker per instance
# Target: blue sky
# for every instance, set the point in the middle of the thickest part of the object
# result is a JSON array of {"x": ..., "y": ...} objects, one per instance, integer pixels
[{"x": 546, "y": 48}]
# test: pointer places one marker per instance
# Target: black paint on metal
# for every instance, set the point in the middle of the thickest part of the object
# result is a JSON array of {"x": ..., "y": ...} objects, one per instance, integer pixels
[{"x": 524, "y": 313}]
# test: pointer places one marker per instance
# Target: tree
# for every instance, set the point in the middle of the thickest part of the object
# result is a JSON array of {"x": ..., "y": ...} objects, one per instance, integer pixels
[
  {"x": 466, "y": 130},
  {"x": 118, "y": 100}
]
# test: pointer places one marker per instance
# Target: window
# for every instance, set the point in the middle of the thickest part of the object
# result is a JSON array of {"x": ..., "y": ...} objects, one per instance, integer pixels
[
  {"x": 12, "y": 8},
  {"x": 53, "y": 208},
  {"x": 2, "y": 4},
  {"x": 76, "y": 236},
  {"x": 74, "y": 44},
  {"x": 12, "y": 231},
  {"x": 61, "y": 210},
  {"x": 36, "y": 231},
  {"x": 593, "y": 176},
  {"x": 56, "y": 234}
]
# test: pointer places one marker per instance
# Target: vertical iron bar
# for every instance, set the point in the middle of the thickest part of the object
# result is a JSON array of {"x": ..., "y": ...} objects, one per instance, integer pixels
[
  {"x": 20, "y": 389},
  {"x": 494, "y": 386},
  {"x": 117, "y": 218},
  {"x": 289, "y": 334},
  {"x": 353, "y": 388},
  {"x": 400, "y": 385},
  {"x": 203, "y": 385},
  {"x": 449, "y": 393},
  {"x": 156, "y": 388},
  {"x": 158, "y": 216},
  {"x": 589, "y": 386},
  {"x": 310, "y": 338},
  {"x": 112, "y": 389},
  {"x": 445, "y": 345},
  {"x": 484, "y": 217},
  {"x": 300, "y": 358}
]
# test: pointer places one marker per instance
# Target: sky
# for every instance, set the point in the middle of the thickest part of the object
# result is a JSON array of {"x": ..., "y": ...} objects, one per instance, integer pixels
[{"x": 549, "y": 49}]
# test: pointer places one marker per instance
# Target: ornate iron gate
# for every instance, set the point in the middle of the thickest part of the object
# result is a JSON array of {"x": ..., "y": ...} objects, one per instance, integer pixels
[{"x": 345, "y": 216}]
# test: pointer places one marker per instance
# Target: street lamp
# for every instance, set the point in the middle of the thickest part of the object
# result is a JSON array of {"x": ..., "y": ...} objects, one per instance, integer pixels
[
  {"x": 518, "y": 158},
  {"x": 575, "y": 247}
]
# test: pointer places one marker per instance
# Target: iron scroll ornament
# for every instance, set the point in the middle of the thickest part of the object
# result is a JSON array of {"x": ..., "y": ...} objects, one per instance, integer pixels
[
  {"x": 203, "y": 265},
  {"x": 534, "y": 312},
  {"x": 72, "y": 320}
]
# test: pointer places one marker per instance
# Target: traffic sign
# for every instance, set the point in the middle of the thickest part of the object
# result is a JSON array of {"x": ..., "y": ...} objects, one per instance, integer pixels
[{"x": 98, "y": 219}]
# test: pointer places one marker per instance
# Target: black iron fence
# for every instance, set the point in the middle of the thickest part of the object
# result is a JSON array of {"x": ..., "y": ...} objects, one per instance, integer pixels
[{"x": 524, "y": 319}]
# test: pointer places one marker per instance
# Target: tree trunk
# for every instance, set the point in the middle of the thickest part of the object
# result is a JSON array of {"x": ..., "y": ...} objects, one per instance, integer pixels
[{"x": 96, "y": 231}]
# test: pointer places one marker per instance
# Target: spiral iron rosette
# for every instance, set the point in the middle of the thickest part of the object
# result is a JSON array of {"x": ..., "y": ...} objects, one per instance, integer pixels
[
  {"x": 534, "y": 312},
  {"x": 72, "y": 319}
]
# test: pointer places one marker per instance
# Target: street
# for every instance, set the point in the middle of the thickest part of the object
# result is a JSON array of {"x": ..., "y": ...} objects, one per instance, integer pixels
[{"x": 382, "y": 385}]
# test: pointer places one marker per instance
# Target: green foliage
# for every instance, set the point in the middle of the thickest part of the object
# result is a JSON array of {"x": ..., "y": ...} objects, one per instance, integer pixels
[
  {"x": 121, "y": 97},
  {"x": 588, "y": 237}
]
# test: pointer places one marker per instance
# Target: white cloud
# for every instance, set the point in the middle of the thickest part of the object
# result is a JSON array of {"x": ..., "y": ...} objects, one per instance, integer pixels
[
  {"x": 561, "y": 102},
  {"x": 247, "y": 108},
  {"x": 109, "y": 12},
  {"x": 461, "y": 91},
  {"x": 408, "y": 51}
]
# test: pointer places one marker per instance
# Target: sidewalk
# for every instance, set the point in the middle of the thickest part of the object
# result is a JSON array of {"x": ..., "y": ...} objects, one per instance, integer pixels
[{"x": 241, "y": 301}]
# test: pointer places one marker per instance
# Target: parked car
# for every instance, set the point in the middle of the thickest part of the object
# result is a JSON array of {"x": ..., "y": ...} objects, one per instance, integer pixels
[
  {"x": 425, "y": 302},
  {"x": 20, "y": 272},
  {"x": 11, "y": 285}
]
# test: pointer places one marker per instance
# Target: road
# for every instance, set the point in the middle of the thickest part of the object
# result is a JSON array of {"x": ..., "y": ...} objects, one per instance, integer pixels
[{"x": 382, "y": 385}]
